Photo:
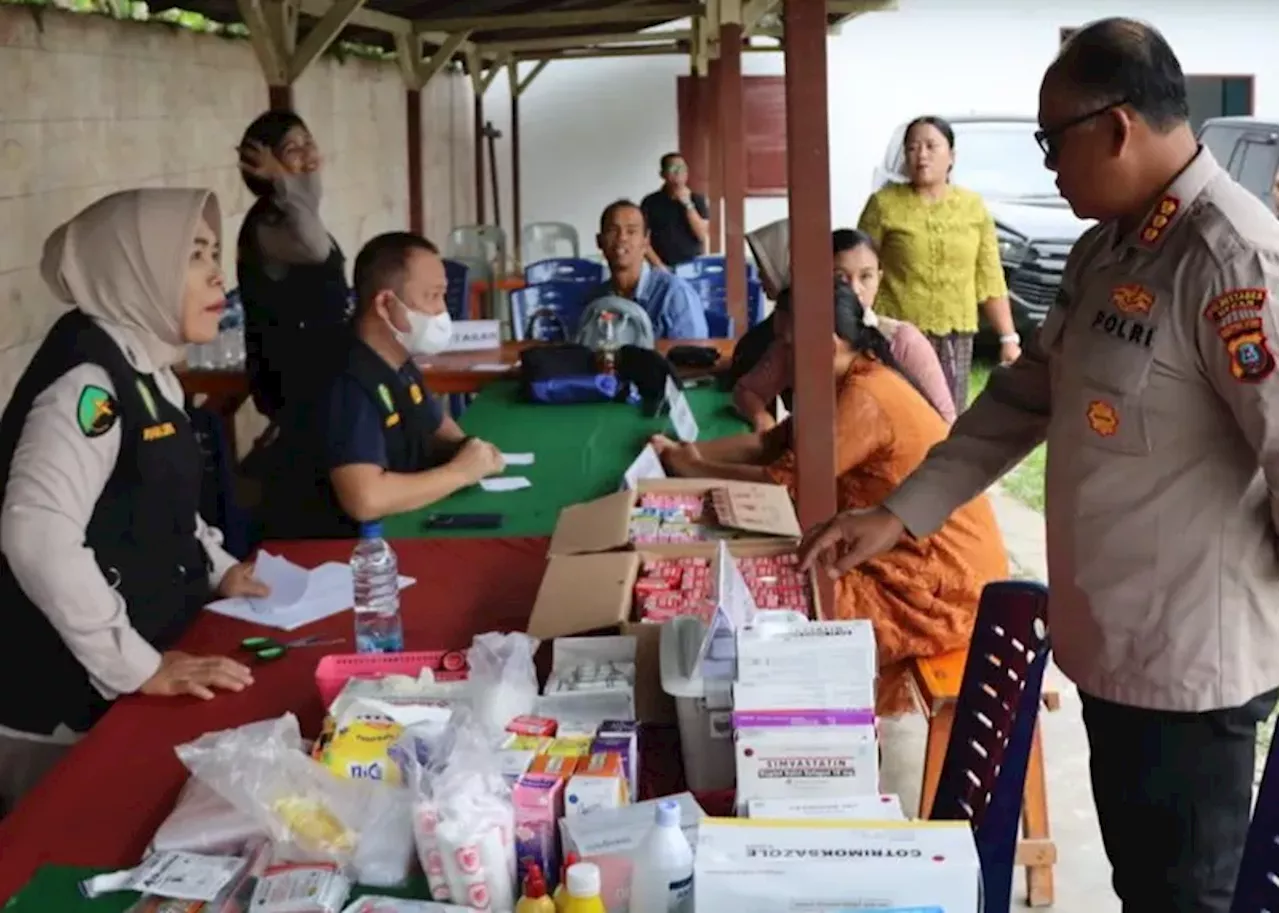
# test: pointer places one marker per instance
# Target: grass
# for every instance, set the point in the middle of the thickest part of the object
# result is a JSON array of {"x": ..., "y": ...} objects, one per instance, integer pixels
[{"x": 1026, "y": 481}]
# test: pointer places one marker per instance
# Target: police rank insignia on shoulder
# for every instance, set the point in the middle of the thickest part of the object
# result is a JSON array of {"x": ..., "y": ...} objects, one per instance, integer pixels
[
  {"x": 96, "y": 411},
  {"x": 1237, "y": 316},
  {"x": 415, "y": 394},
  {"x": 1159, "y": 219}
]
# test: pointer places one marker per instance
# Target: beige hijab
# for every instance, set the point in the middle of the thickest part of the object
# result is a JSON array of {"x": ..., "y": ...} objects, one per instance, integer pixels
[
  {"x": 123, "y": 261},
  {"x": 771, "y": 246}
]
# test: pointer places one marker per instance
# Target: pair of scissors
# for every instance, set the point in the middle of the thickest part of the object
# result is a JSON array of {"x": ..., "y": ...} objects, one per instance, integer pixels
[{"x": 268, "y": 648}]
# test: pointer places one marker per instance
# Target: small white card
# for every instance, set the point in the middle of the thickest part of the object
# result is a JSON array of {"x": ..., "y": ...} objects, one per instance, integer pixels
[
  {"x": 648, "y": 465},
  {"x": 735, "y": 608},
  {"x": 505, "y": 483},
  {"x": 518, "y": 459},
  {"x": 681, "y": 414},
  {"x": 494, "y": 367}
]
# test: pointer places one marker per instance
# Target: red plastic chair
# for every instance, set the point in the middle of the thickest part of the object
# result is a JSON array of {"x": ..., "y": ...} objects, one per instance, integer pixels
[{"x": 985, "y": 768}]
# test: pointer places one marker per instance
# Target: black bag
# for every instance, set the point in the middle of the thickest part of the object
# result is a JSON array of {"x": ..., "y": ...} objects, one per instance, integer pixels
[{"x": 649, "y": 371}]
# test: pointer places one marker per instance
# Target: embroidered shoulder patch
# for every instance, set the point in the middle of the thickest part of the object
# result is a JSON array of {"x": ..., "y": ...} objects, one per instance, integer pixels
[
  {"x": 415, "y": 394},
  {"x": 96, "y": 411},
  {"x": 1237, "y": 317}
]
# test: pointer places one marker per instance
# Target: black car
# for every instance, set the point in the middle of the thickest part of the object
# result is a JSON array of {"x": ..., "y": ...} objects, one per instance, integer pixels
[{"x": 998, "y": 157}]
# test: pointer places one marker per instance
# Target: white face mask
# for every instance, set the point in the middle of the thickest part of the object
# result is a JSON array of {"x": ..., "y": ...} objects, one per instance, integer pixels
[{"x": 428, "y": 334}]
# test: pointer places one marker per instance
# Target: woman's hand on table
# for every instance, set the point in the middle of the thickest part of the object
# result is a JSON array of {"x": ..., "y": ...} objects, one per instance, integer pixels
[
  {"x": 239, "y": 581},
  {"x": 477, "y": 459},
  {"x": 680, "y": 459},
  {"x": 182, "y": 673},
  {"x": 864, "y": 534}
]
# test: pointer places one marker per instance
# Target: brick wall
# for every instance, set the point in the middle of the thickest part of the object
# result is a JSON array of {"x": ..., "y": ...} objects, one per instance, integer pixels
[{"x": 89, "y": 106}]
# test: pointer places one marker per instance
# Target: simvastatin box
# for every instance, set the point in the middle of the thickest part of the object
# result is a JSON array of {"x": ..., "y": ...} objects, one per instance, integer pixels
[
  {"x": 807, "y": 762},
  {"x": 763, "y": 866}
]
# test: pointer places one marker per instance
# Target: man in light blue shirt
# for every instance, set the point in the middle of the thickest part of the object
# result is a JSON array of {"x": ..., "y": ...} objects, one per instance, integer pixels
[{"x": 674, "y": 307}]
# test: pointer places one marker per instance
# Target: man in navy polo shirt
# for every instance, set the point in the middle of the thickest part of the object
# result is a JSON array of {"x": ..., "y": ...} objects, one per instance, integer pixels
[
  {"x": 375, "y": 440},
  {"x": 679, "y": 219}
]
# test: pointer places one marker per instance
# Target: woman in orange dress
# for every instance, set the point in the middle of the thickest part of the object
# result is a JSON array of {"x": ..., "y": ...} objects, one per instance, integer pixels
[{"x": 921, "y": 597}]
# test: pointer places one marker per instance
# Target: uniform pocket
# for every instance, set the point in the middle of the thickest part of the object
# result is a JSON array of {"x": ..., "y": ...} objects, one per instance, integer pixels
[{"x": 1110, "y": 400}]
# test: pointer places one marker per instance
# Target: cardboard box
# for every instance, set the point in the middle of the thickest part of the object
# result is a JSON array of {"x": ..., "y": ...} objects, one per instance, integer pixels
[
  {"x": 592, "y": 594},
  {"x": 814, "y": 762},
  {"x": 884, "y": 807},
  {"x": 755, "y": 510},
  {"x": 745, "y": 866}
]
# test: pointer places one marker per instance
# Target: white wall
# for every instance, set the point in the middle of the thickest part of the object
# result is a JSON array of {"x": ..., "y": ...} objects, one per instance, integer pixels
[{"x": 593, "y": 130}]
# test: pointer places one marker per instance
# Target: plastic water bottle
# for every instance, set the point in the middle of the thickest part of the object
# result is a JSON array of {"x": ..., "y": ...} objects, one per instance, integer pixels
[
  {"x": 229, "y": 347},
  {"x": 607, "y": 326},
  {"x": 662, "y": 867},
  {"x": 375, "y": 581}
]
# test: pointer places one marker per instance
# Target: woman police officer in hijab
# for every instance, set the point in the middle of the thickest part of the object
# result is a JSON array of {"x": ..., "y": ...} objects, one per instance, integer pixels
[{"x": 104, "y": 559}]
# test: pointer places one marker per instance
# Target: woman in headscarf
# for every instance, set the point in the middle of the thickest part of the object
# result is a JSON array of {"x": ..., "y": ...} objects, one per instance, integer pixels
[
  {"x": 922, "y": 596},
  {"x": 105, "y": 559},
  {"x": 759, "y": 385},
  {"x": 297, "y": 302}
]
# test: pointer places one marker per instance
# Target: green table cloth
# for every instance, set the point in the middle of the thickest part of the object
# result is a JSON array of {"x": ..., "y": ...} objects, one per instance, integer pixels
[
  {"x": 580, "y": 453},
  {"x": 56, "y": 889}
]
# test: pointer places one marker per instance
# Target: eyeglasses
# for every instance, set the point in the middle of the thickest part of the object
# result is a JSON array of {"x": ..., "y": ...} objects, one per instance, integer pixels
[
  {"x": 676, "y": 169},
  {"x": 1048, "y": 138}
]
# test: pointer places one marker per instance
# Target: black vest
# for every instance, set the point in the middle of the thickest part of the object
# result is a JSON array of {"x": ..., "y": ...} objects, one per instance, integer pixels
[
  {"x": 300, "y": 503},
  {"x": 295, "y": 327},
  {"x": 142, "y": 532}
]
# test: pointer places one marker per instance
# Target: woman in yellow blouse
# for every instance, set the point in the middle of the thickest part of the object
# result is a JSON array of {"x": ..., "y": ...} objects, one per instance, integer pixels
[{"x": 939, "y": 255}]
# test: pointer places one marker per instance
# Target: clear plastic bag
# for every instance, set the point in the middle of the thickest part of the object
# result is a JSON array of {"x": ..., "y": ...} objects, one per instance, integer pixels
[
  {"x": 261, "y": 770},
  {"x": 463, "y": 821},
  {"x": 504, "y": 681},
  {"x": 204, "y": 822}
]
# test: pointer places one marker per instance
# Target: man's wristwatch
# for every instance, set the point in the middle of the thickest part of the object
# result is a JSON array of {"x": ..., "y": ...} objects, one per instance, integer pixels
[
  {"x": 688, "y": 204},
  {"x": 1010, "y": 339}
]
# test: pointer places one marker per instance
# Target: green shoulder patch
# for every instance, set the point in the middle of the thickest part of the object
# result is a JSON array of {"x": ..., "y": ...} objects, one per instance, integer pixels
[
  {"x": 385, "y": 395},
  {"x": 96, "y": 411}
]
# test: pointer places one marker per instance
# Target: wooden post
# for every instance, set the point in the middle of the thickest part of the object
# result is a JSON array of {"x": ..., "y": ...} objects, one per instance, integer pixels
[
  {"x": 413, "y": 126},
  {"x": 699, "y": 133},
  {"x": 809, "y": 203},
  {"x": 479, "y": 155},
  {"x": 516, "y": 224},
  {"x": 715, "y": 157},
  {"x": 280, "y": 98},
  {"x": 734, "y": 171}
]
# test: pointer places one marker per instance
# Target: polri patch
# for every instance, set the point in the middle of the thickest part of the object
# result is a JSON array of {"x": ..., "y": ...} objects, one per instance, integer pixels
[
  {"x": 1237, "y": 316},
  {"x": 1103, "y": 418},
  {"x": 96, "y": 411}
]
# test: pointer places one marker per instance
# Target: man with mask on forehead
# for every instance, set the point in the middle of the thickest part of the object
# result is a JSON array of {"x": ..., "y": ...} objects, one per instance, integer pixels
[{"x": 375, "y": 439}]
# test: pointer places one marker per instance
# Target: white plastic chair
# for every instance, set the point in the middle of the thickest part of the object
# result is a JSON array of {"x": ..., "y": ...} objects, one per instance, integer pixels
[{"x": 548, "y": 241}]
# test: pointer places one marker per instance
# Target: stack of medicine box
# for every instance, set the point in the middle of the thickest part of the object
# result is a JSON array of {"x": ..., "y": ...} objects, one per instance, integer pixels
[{"x": 804, "y": 712}]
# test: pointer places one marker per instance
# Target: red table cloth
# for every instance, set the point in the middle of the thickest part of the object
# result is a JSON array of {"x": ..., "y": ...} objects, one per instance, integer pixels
[{"x": 101, "y": 805}]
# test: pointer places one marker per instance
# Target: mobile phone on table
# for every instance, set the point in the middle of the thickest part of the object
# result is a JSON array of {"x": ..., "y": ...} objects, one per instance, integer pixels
[{"x": 462, "y": 521}]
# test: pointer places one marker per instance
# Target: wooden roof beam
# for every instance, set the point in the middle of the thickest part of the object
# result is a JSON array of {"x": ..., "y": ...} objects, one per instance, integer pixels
[
  {"x": 416, "y": 71},
  {"x": 562, "y": 18},
  {"x": 322, "y": 35},
  {"x": 567, "y": 42},
  {"x": 851, "y": 9}
]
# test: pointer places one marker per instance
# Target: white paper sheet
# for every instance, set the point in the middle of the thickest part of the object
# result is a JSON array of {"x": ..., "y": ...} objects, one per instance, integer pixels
[
  {"x": 505, "y": 483},
  {"x": 287, "y": 580},
  {"x": 518, "y": 459},
  {"x": 648, "y": 465},
  {"x": 497, "y": 366},
  {"x": 682, "y": 419},
  {"x": 328, "y": 591}
]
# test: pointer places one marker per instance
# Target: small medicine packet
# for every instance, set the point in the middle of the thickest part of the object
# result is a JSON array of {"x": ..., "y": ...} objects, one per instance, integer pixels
[
  {"x": 181, "y": 876},
  {"x": 300, "y": 887}
]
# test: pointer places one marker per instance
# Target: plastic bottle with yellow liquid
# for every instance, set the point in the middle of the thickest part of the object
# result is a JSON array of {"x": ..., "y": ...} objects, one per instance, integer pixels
[
  {"x": 582, "y": 889},
  {"x": 570, "y": 859}
]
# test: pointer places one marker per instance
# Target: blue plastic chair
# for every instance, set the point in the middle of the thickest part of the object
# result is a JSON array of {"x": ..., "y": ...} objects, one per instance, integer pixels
[
  {"x": 1257, "y": 889},
  {"x": 719, "y": 325},
  {"x": 711, "y": 266},
  {"x": 564, "y": 269},
  {"x": 548, "y": 311},
  {"x": 985, "y": 769},
  {"x": 457, "y": 294}
]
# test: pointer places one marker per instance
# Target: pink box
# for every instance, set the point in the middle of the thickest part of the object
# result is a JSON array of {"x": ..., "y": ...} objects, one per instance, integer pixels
[{"x": 539, "y": 805}]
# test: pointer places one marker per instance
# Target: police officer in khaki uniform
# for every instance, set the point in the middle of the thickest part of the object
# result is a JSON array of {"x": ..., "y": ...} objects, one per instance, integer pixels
[
  {"x": 104, "y": 559},
  {"x": 1153, "y": 381}
]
